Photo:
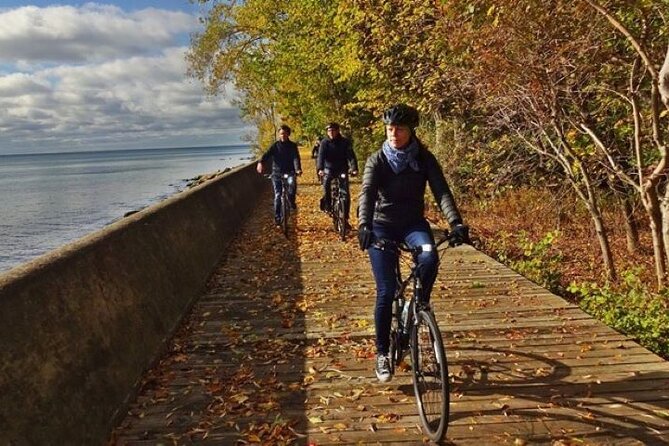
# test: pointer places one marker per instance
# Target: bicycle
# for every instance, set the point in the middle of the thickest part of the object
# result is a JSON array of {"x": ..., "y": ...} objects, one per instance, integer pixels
[
  {"x": 285, "y": 205},
  {"x": 414, "y": 327},
  {"x": 338, "y": 201}
]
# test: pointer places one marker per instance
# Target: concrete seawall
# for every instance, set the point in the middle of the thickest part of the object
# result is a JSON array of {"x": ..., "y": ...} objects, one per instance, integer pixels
[{"x": 79, "y": 325}]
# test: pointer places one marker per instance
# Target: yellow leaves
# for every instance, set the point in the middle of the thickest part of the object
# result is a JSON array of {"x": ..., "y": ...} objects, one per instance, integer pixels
[
  {"x": 388, "y": 417},
  {"x": 356, "y": 394},
  {"x": 315, "y": 352},
  {"x": 361, "y": 323},
  {"x": 587, "y": 415},
  {"x": 239, "y": 398},
  {"x": 542, "y": 372},
  {"x": 302, "y": 305},
  {"x": 268, "y": 406},
  {"x": 253, "y": 438},
  {"x": 662, "y": 413},
  {"x": 315, "y": 420},
  {"x": 332, "y": 374}
]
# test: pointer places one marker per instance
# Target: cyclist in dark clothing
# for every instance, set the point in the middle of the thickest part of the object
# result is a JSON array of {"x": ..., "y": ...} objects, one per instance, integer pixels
[
  {"x": 285, "y": 160},
  {"x": 336, "y": 156},
  {"x": 391, "y": 206},
  {"x": 314, "y": 155},
  {"x": 316, "y": 148}
]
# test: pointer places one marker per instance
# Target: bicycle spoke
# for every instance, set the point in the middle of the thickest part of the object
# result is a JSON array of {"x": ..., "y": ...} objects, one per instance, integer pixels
[{"x": 430, "y": 375}]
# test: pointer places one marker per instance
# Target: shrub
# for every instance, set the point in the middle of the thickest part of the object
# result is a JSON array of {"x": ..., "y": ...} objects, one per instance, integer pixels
[
  {"x": 539, "y": 262},
  {"x": 632, "y": 310}
]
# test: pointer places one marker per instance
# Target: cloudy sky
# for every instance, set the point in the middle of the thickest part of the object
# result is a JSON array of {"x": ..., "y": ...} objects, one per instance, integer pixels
[{"x": 90, "y": 76}]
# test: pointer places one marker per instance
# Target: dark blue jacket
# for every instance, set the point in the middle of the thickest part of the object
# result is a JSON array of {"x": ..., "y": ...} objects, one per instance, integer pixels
[
  {"x": 285, "y": 157},
  {"x": 337, "y": 156}
]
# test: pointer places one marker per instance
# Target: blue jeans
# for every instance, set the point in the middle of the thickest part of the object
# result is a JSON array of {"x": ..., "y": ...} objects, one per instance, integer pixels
[
  {"x": 383, "y": 267},
  {"x": 278, "y": 189}
]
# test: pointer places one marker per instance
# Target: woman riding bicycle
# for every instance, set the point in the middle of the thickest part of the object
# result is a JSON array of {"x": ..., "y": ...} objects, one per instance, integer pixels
[{"x": 391, "y": 206}]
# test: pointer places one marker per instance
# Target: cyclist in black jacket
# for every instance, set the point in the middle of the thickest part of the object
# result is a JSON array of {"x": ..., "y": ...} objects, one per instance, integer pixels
[
  {"x": 391, "y": 206},
  {"x": 336, "y": 156},
  {"x": 285, "y": 159}
]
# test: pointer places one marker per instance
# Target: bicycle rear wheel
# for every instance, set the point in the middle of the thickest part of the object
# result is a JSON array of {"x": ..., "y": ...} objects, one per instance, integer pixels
[{"x": 430, "y": 375}]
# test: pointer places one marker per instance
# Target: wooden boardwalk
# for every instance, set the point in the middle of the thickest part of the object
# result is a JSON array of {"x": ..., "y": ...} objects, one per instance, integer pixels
[{"x": 279, "y": 349}]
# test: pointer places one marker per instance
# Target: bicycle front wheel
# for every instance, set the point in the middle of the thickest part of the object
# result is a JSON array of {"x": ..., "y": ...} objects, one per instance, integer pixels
[
  {"x": 394, "y": 347},
  {"x": 430, "y": 375},
  {"x": 341, "y": 211},
  {"x": 285, "y": 211},
  {"x": 335, "y": 215}
]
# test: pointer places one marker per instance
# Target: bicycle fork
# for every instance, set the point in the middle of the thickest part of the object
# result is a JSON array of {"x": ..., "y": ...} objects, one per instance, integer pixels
[{"x": 409, "y": 310}]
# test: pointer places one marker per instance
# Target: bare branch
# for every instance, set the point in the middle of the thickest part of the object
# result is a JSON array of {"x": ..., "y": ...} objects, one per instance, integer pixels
[
  {"x": 624, "y": 31},
  {"x": 614, "y": 166}
]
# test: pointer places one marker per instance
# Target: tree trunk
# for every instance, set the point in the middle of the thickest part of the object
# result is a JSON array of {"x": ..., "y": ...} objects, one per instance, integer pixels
[
  {"x": 600, "y": 230},
  {"x": 603, "y": 239},
  {"x": 589, "y": 199},
  {"x": 631, "y": 225},
  {"x": 652, "y": 205},
  {"x": 664, "y": 209},
  {"x": 663, "y": 82}
]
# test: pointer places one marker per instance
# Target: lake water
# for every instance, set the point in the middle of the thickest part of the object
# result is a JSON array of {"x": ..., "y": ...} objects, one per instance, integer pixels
[{"x": 47, "y": 200}]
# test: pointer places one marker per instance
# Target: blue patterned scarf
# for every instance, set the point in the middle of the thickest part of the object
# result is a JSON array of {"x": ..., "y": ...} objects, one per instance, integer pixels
[{"x": 400, "y": 159}]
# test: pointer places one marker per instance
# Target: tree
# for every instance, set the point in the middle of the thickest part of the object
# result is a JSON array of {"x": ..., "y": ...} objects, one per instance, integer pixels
[{"x": 650, "y": 180}]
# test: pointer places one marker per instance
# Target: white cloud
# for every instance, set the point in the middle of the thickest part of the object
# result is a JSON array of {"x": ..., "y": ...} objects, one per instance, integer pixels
[
  {"x": 91, "y": 33},
  {"x": 124, "y": 83}
]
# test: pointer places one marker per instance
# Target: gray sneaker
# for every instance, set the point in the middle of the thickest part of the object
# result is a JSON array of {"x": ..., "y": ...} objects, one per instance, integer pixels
[{"x": 383, "y": 368}]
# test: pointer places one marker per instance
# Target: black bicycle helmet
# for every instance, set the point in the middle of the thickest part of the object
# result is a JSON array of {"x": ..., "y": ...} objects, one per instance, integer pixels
[
  {"x": 333, "y": 126},
  {"x": 401, "y": 114}
]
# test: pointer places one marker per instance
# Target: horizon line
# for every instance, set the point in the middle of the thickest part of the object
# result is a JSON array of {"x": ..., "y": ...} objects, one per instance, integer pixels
[{"x": 124, "y": 150}]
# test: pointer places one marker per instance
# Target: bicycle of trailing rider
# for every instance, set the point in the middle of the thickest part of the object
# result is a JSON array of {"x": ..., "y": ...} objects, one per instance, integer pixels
[
  {"x": 284, "y": 203},
  {"x": 338, "y": 204},
  {"x": 414, "y": 328}
]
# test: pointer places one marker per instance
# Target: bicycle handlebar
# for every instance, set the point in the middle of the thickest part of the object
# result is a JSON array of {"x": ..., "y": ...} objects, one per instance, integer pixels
[
  {"x": 270, "y": 176},
  {"x": 384, "y": 243}
]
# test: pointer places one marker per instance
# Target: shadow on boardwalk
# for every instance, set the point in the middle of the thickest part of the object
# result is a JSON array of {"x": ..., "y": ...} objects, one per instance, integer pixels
[
  {"x": 279, "y": 351},
  {"x": 237, "y": 358}
]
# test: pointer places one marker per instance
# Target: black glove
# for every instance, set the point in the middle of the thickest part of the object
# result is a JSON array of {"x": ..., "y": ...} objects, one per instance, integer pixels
[
  {"x": 364, "y": 236},
  {"x": 460, "y": 235}
]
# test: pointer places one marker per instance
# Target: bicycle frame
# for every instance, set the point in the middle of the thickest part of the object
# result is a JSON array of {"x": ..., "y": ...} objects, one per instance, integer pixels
[{"x": 338, "y": 197}]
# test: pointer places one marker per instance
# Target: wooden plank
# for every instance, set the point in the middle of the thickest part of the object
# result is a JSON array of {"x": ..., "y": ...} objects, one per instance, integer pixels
[{"x": 281, "y": 341}]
